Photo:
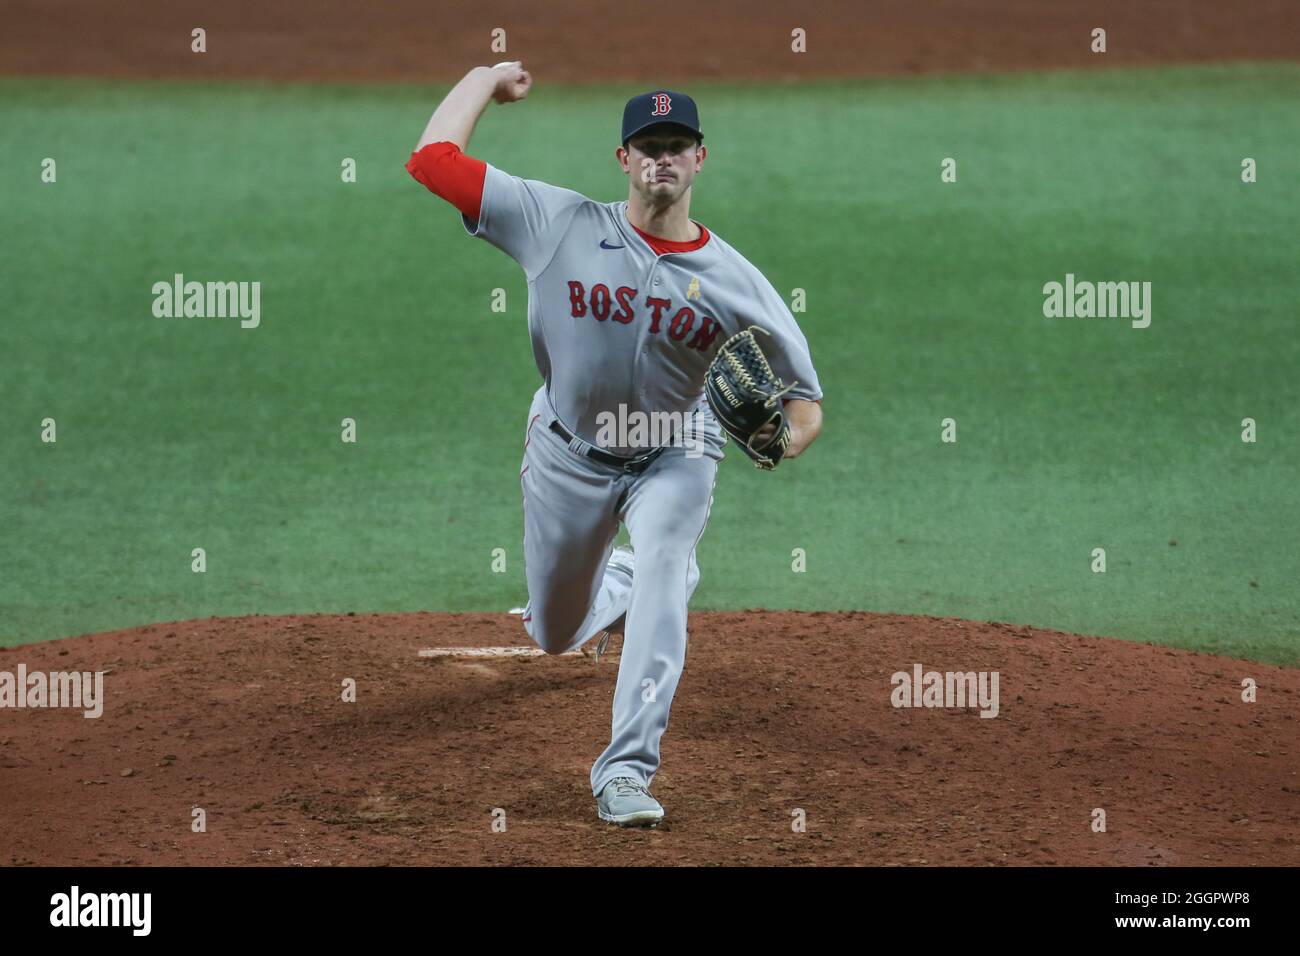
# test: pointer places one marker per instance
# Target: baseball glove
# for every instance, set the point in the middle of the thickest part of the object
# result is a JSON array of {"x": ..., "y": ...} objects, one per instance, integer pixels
[{"x": 745, "y": 394}]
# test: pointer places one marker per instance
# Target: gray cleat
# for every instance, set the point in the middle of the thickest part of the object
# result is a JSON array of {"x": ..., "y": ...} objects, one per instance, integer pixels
[{"x": 628, "y": 803}]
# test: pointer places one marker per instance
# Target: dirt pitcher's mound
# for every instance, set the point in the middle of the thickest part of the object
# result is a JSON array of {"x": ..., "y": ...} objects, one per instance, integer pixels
[{"x": 781, "y": 719}]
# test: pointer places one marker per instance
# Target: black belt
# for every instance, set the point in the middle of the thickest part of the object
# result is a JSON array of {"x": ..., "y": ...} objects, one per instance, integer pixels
[{"x": 632, "y": 466}]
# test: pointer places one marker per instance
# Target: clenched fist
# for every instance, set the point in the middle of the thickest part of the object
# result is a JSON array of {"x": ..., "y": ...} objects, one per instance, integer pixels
[{"x": 512, "y": 81}]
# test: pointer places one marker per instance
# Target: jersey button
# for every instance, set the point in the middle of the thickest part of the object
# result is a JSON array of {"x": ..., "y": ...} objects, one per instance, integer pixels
[{"x": 656, "y": 281}]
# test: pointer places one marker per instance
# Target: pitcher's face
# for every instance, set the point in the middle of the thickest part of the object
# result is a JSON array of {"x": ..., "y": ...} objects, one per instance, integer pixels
[{"x": 661, "y": 163}]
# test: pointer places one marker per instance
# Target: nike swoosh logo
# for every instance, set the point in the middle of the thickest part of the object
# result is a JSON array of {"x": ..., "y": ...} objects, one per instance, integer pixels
[{"x": 605, "y": 245}]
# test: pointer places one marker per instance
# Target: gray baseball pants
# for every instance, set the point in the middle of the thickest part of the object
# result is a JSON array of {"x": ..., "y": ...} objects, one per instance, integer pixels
[{"x": 573, "y": 506}]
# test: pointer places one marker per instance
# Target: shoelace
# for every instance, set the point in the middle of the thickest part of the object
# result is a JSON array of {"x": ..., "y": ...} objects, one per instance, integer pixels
[{"x": 627, "y": 787}]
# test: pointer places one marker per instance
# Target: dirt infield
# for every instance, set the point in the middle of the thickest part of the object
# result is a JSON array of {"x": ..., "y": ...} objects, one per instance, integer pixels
[
  {"x": 776, "y": 712},
  {"x": 667, "y": 42}
]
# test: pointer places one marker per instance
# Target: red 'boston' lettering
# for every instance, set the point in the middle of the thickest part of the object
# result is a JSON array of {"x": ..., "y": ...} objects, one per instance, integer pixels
[
  {"x": 682, "y": 327},
  {"x": 705, "y": 334},
  {"x": 600, "y": 301},
  {"x": 681, "y": 323},
  {"x": 624, "y": 296},
  {"x": 658, "y": 305},
  {"x": 577, "y": 304}
]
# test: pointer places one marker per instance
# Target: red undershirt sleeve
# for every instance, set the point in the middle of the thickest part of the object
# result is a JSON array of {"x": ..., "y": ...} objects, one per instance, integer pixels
[{"x": 447, "y": 172}]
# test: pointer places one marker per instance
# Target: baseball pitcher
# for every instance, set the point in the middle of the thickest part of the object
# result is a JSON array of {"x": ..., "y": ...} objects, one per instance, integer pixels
[{"x": 639, "y": 317}]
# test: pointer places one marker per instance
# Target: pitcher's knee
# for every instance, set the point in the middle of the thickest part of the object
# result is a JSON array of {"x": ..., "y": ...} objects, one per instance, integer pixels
[
  {"x": 554, "y": 645},
  {"x": 554, "y": 638}
]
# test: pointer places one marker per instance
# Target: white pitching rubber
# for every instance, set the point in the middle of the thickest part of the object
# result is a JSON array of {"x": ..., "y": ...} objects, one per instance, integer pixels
[{"x": 490, "y": 652}]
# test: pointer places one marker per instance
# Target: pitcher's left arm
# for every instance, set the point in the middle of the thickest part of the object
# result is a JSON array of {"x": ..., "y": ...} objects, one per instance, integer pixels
[
  {"x": 789, "y": 355},
  {"x": 805, "y": 421}
]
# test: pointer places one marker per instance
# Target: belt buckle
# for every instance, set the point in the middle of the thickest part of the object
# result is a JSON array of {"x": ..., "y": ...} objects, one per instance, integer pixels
[{"x": 639, "y": 464}]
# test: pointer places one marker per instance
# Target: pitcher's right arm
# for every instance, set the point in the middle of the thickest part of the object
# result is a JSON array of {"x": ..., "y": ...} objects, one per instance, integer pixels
[
  {"x": 524, "y": 218},
  {"x": 454, "y": 119}
]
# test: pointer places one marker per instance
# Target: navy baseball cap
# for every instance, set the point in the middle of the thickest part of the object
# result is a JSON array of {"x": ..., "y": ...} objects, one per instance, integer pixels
[{"x": 661, "y": 106}]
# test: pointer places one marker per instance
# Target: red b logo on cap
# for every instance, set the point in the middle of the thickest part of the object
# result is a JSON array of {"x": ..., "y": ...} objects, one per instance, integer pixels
[{"x": 663, "y": 103}]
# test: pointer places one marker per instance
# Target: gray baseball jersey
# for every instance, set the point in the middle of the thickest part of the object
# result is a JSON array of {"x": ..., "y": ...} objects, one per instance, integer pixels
[
  {"x": 615, "y": 324},
  {"x": 612, "y": 322}
]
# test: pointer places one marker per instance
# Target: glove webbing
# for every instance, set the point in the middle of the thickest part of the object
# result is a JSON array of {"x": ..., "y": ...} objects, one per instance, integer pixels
[{"x": 753, "y": 364}]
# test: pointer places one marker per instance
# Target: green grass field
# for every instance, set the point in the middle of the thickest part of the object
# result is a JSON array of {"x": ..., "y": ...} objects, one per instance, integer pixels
[{"x": 924, "y": 302}]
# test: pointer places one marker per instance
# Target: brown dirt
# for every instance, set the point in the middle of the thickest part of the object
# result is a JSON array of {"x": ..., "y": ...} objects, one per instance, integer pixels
[
  {"x": 776, "y": 711},
  {"x": 671, "y": 41}
]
